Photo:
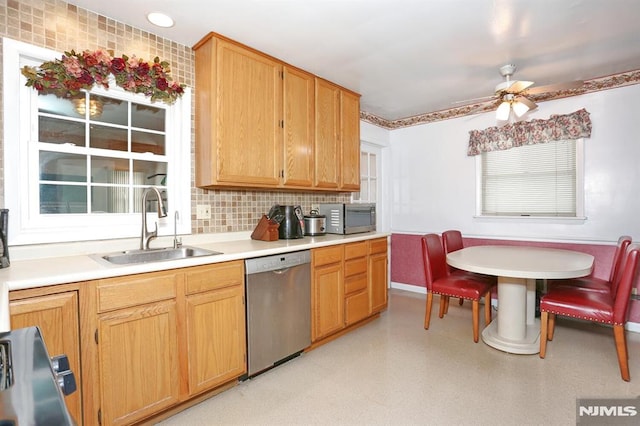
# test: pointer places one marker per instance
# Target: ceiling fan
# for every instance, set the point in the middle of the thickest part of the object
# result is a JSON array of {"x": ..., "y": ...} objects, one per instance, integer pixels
[{"x": 512, "y": 94}]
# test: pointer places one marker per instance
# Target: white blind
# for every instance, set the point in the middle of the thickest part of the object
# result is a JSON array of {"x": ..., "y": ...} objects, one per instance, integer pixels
[{"x": 531, "y": 180}]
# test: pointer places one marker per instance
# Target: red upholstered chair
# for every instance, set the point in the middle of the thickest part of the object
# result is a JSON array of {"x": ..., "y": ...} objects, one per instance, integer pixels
[
  {"x": 452, "y": 241},
  {"x": 592, "y": 283},
  {"x": 608, "y": 308},
  {"x": 451, "y": 284}
]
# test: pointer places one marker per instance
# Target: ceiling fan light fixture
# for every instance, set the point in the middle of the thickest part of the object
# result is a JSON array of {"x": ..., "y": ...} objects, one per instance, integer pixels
[
  {"x": 519, "y": 108},
  {"x": 502, "y": 113}
]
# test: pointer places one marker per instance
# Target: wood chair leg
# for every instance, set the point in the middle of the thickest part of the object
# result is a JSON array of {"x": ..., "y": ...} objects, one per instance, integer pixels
[
  {"x": 552, "y": 326},
  {"x": 427, "y": 315},
  {"x": 476, "y": 319},
  {"x": 446, "y": 305},
  {"x": 544, "y": 318},
  {"x": 444, "y": 301},
  {"x": 460, "y": 301},
  {"x": 621, "y": 349},
  {"x": 487, "y": 308}
]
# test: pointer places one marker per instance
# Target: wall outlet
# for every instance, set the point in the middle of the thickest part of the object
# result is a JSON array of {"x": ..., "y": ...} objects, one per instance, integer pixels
[{"x": 203, "y": 211}]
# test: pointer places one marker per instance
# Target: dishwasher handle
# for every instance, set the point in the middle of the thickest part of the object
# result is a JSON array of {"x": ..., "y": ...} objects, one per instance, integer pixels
[{"x": 278, "y": 262}]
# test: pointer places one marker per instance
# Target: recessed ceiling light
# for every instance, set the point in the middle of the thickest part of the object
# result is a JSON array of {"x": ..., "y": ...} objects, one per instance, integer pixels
[{"x": 160, "y": 19}]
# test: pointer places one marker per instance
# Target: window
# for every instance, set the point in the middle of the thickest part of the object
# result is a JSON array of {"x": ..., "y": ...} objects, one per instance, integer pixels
[
  {"x": 369, "y": 166},
  {"x": 75, "y": 169},
  {"x": 541, "y": 180}
]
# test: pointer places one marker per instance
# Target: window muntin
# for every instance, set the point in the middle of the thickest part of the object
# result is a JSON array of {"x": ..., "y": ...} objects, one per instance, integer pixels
[
  {"x": 541, "y": 180},
  {"x": 87, "y": 166},
  {"x": 368, "y": 178}
]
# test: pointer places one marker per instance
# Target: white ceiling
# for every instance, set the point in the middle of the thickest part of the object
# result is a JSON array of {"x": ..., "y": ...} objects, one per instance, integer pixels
[{"x": 411, "y": 57}]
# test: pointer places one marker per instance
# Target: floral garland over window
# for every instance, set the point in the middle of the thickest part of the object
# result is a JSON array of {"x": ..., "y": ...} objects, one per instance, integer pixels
[
  {"x": 74, "y": 72},
  {"x": 558, "y": 127}
]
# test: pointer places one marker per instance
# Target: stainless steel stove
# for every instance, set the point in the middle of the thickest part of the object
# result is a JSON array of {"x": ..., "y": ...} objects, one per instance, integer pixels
[{"x": 32, "y": 385}]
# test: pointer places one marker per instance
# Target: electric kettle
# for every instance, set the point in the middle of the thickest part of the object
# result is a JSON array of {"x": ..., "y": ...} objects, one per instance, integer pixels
[{"x": 291, "y": 220}]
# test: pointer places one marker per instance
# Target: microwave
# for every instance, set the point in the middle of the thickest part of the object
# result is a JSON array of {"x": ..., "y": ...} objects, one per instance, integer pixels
[{"x": 349, "y": 218}]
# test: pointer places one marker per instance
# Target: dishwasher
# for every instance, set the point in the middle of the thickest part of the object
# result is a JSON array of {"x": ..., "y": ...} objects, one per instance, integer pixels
[{"x": 278, "y": 290}]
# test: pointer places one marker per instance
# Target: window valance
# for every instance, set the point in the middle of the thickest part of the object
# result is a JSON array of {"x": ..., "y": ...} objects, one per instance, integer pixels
[{"x": 558, "y": 127}]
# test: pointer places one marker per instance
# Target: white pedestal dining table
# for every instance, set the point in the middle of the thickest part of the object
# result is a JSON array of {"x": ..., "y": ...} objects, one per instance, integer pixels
[{"x": 516, "y": 329}]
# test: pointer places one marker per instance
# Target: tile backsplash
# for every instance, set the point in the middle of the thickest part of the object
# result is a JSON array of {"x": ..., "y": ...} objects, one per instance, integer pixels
[{"x": 60, "y": 26}]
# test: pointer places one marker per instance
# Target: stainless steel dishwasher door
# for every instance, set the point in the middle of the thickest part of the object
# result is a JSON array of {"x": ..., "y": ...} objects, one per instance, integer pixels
[{"x": 278, "y": 308}]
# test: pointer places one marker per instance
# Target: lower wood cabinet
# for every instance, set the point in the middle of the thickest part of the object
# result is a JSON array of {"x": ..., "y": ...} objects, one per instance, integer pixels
[
  {"x": 58, "y": 319},
  {"x": 356, "y": 290},
  {"x": 138, "y": 362},
  {"x": 349, "y": 284},
  {"x": 327, "y": 291},
  {"x": 163, "y": 337},
  {"x": 141, "y": 344},
  {"x": 215, "y": 325},
  {"x": 378, "y": 275}
]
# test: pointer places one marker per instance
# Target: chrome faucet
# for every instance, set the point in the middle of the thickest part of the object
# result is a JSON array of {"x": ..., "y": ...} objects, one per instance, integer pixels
[
  {"x": 146, "y": 235},
  {"x": 177, "y": 242}
]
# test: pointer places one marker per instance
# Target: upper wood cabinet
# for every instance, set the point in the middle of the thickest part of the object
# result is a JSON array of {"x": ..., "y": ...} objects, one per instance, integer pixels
[
  {"x": 350, "y": 141},
  {"x": 258, "y": 124},
  {"x": 337, "y": 137},
  {"x": 299, "y": 125},
  {"x": 238, "y": 116}
]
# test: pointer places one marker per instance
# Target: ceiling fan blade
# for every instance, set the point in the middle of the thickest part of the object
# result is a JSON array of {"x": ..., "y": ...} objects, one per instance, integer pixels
[
  {"x": 518, "y": 86},
  {"x": 502, "y": 113},
  {"x": 569, "y": 85},
  {"x": 527, "y": 102}
]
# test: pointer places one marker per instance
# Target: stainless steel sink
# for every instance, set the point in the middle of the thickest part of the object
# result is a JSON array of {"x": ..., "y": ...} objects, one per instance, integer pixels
[{"x": 154, "y": 255}]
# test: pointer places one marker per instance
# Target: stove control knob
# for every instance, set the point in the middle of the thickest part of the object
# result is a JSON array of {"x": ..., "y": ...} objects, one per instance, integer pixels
[{"x": 64, "y": 375}]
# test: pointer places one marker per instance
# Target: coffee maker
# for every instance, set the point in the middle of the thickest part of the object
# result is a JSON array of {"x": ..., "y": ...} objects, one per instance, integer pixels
[
  {"x": 290, "y": 219},
  {"x": 4, "y": 234}
]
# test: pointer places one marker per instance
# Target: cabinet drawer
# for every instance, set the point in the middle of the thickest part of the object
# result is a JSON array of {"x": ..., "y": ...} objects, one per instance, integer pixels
[
  {"x": 327, "y": 255},
  {"x": 135, "y": 290},
  {"x": 378, "y": 246},
  {"x": 355, "y": 267},
  {"x": 354, "y": 250},
  {"x": 356, "y": 283},
  {"x": 210, "y": 277},
  {"x": 356, "y": 307}
]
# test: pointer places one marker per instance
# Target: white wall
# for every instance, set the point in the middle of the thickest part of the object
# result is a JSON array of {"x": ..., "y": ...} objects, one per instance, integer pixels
[{"x": 433, "y": 181}]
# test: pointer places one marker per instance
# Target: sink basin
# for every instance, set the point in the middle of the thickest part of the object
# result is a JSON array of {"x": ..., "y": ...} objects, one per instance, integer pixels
[{"x": 155, "y": 255}]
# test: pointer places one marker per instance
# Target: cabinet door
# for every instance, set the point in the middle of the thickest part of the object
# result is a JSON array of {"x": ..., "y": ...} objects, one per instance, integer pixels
[
  {"x": 138, "y": 358},
  {"x": 216, "y": 338},
  {"x": 249, "y": 115},
  {"x": 298, "y": 127},
  {"x": 356, "y": 304},
  {"x": 327, "y": 152},
  {"x": 57, "y": 317},
  {"x": 327, "y": 300},
  {"x": 350, "y": 141},
  {"x": 378, "y": 281}
]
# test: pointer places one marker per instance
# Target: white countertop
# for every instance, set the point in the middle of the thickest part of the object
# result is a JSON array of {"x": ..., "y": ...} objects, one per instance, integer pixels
[
  {"x": 44, "y": 271},
  {"x": 37, "y": 267}
]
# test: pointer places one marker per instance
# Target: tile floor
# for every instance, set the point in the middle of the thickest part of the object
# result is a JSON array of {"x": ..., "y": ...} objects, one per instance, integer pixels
[{"x": 393, "y": 372}]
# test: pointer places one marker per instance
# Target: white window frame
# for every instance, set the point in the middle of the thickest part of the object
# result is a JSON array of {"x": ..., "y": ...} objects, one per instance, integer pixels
[
  {"x": 579, "y": 191},
  {"x": 26, "y": 224},
  {"x": 377, "y": 152}
]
